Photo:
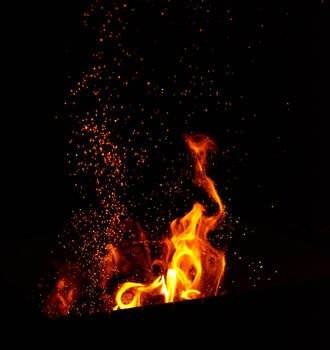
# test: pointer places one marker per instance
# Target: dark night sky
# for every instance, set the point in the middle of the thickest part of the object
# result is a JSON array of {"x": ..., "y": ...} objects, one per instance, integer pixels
[{"x": 279, "y": 80}]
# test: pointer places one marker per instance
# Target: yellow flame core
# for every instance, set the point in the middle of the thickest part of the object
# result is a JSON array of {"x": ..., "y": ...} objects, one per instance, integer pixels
[{"x": 195, "y": 269}]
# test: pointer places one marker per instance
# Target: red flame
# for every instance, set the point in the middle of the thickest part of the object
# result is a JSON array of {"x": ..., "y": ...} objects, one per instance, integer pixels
[{"x": 61, "y": 299}]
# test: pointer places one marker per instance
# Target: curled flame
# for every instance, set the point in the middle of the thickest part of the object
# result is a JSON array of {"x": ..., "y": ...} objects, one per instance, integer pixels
[{"x": 195, "y": 268}]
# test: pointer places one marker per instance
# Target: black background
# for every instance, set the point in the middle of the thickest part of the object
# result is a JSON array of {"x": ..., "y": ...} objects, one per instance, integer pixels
[{"x": 43, "y": 43}]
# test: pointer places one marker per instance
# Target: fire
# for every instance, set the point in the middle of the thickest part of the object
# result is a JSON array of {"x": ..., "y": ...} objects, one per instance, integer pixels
[
  {"x": 62, "y": 299},
  {"x": 195, "y": 268},
  {"x": 187, "y": 267}
]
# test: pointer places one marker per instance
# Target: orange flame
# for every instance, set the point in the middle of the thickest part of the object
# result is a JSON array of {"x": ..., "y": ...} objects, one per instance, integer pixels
[
  {"x": 188, "y": 268},
  {"x": 196, "y": 268}
]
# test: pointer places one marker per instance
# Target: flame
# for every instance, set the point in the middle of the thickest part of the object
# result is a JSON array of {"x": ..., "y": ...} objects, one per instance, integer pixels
[
  {"x": 188, "y": 266},
  {"x": 62, "y": 299},
  {"x": 196, "y": 268}
]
